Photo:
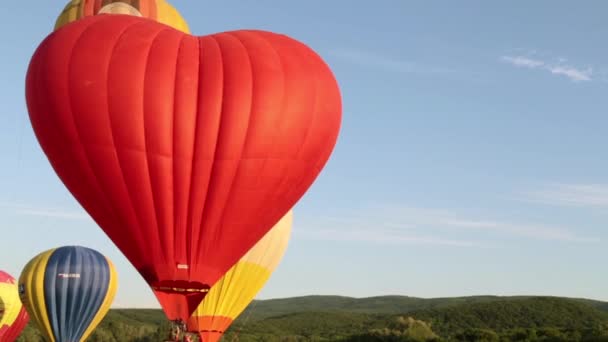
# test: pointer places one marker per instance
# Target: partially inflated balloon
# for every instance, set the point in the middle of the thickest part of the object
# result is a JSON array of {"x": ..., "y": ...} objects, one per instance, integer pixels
[
  {"x": 67, "y": 291},
  {"x": 13, "y": 317},
  {"x": 159, "y": 10},
  {"x": 228, "y": 298},
  {"x": 185, "y": 150}
]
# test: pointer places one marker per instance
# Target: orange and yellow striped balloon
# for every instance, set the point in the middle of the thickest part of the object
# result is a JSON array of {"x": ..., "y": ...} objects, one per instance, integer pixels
[
  {"x": 229, "y": 297},
  {"x": 159, "y": 10}
]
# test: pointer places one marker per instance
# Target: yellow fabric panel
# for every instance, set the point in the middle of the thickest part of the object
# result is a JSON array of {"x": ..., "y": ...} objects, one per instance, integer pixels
[
  {"x": 71, "y": 12},
  {"x": 233, "y": 292},
  {"x": 269, "y": 251},
  {"x": 165, "y": 13},
  {"x": 32, "y": 281},
  {"x": 10, "y": 304},
  {"x": 239, "y": 286},
  {"x": 168, "y": 15},
  {"x": 107, "y": 302}
]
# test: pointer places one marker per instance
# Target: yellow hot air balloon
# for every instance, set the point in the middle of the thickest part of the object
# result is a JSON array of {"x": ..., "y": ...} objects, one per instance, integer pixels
[
  {"x": 229, "y": 297},
  {"x": 67, "y": 291},
  {"x": 159, "y": 10}
]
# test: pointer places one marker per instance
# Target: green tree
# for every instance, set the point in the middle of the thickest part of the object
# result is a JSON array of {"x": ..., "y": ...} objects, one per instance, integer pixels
[{"x": 477, "y": 335}]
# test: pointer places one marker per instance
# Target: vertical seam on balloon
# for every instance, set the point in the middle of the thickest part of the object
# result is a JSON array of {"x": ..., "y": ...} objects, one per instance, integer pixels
[
  {"x": 136, "y": 230},
  {"x": 153, "y": 197},
  {"x": 94, "y": 279},
  {"x": 217, "y": 232},
  {"x": 260, "y": 35},
  {"x": 173, "y": 159},
  {"x": 262, "y": 38},
  {"x": 107, "y": 208},
  {"x": 129, "y": 190},
  {"x": 97, "y": 4},
  {"x": 107, "y": 298},
  {"x": 30, "y": 296},
  {"x": 94, "y": 312},
  {"x": 73, "y": 307},
  {"x": 64, "y": 332},
  {"x": 87, "y": 8},
  {"x": 85, "y": 309},
  {"x": 65, "y": 325},
  {"x": 51, "y": 303},
  {"x": 219, "y": 128},
  {"x": 241, "y": 269},
  {"x": 35, "y": 277},
  {"x": 186, "y": 220},
  {"x": 82, "y": 146},
  {"x": 198, "y": 114},
  {"x": 224, "y": 288},
  {"x": 92, "y": 258},
  {"x": 84, "y": 295},
  {"x": 225, "y": 283},
  {"x": 190, "y": 223},
  {"x": 265, "y": 36},
  {"x": 80, "y": 307}
]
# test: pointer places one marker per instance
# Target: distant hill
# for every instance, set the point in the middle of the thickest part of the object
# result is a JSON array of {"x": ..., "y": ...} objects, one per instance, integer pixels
[
  {"x": 381, "y": 304},
  {"x": 511, "y": 313},
  {"x": 385, "y": 318}
]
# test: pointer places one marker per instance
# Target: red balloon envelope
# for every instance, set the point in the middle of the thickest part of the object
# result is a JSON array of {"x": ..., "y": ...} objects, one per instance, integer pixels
[{"x": 185, "y": 150}]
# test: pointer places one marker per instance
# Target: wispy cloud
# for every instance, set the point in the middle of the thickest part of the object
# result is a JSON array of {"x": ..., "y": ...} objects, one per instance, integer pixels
[
  {"x": 581, "y": 195},
  {"x": 523, "y": 61},
  {"x": 46, "y": 212},
  {"x": 572, "y": 73},
  {"x": 384, "y": 62},
  {"x": 559, "y": 67},
  {"x": 424, "y": 226}
]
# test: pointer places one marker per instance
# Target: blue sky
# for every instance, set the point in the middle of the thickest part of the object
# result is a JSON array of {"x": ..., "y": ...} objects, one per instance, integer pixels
[{"x": 471, "y": 158}]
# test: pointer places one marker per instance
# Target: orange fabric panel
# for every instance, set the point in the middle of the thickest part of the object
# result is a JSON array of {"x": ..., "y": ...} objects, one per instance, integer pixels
[{"x": 209, "y": 323}]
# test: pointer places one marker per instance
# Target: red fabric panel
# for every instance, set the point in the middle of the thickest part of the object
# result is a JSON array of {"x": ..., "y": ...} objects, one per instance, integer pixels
[
  {"x": 184, "y": 150},
  {"x": 12, "y": 332}
]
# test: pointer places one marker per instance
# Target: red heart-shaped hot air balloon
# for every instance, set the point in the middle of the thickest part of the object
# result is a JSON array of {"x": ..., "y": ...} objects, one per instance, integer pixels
[{"x": 185, "y": 150}]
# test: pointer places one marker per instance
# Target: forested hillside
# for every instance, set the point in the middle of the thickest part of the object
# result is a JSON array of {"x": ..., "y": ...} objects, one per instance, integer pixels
[{"x": 389, "y": 318}]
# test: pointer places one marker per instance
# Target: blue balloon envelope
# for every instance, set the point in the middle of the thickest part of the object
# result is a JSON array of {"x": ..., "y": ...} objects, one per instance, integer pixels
[{"x": 68, "y": 291}]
